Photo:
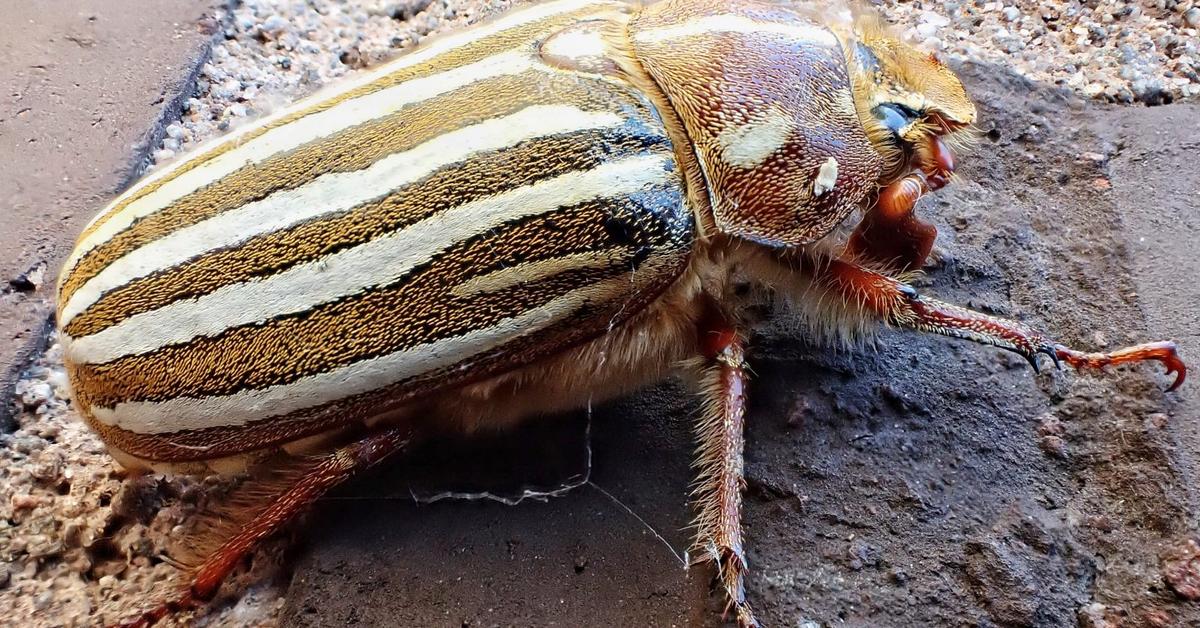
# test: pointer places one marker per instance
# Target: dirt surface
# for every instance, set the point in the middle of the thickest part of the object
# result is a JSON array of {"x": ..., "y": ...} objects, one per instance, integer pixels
[
  {"x": 86, "y": 89},
  {"x": 919, "y": 481}
]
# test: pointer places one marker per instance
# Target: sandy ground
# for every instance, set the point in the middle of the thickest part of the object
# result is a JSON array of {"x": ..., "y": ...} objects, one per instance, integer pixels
[{"x": 918, "y": 481}]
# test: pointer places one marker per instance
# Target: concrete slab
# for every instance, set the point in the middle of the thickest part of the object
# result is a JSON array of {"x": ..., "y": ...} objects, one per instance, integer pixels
[
  {"x": 608, "y": 550},
  {"x": 1156, "y": 182},
  {"x": 84, "y": 89}
]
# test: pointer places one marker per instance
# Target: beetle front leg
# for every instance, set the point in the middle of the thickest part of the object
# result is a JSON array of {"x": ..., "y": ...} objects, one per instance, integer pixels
[
  {"x": 890, "y": 234},
  {"x": 719, "y": 481},
  {"x": 317, "y": 480},
  {"x": 899, "y": 304}
]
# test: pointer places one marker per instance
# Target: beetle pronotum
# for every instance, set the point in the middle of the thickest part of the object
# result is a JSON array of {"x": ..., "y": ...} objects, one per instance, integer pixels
[{"x": 552, "y": 207}]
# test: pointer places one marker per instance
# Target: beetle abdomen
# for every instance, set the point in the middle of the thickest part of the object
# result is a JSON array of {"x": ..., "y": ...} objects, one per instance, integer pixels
[{"x": 461, "y": 211}]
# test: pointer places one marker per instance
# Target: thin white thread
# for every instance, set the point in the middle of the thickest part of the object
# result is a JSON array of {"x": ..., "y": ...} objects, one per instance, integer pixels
[{"x": 681, "y": 558}]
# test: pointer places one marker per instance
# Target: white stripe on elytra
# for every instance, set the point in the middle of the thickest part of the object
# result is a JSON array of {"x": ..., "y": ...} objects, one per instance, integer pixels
[
  {"x": 300, "y": 132},
  {"x": 310, "y": 127},
  {"x": 191, "y": 413},
  {"x": 332, "y": 193},
  {"x": 533, "y": 272},
  {"x": 374, "y": 263},
  {"x": 728, "y": 23}
]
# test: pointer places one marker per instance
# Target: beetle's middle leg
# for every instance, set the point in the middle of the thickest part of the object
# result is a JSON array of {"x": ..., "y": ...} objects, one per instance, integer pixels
[
  {"x": 900, "y": 305},
  {"x": 719, "y": 481}
]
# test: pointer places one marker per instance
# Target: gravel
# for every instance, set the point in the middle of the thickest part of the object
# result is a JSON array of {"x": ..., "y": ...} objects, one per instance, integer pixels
[
  {"x": 79, "y": 541},
  {"x": 275, "y": 52},
  {"x": 1111, "y": 50}
]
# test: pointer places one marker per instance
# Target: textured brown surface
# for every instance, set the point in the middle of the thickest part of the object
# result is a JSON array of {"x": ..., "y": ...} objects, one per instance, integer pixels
[
  {"x": 922, "y": 482},
  {"x": 87, "y": 86}
]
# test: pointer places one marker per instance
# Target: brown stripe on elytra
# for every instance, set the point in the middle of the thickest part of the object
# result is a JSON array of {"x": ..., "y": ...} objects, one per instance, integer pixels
[
  {"x": 416, "y": 310},
  {"x": 524, "y": 35},
  {"x": 461, "y": 183},
  {"x": 350, "y": 150}
]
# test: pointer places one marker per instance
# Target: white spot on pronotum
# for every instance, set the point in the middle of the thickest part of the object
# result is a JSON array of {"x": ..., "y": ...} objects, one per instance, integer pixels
[
  {"x": 826, "y": 177},
  {"x": 749, "y": 144}
]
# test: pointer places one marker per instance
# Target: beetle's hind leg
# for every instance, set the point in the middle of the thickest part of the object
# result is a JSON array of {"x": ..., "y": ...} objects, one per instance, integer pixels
[
  {"x": 719, "y": 480},
  {"x": 900, "y": 305},
  {"x": 308, "y": 486}
]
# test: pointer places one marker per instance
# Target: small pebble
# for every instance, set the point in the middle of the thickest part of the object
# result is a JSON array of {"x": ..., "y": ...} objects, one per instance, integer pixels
[
  {"x": 274, "y": 26},
  {"x": 42, "y": 600},
  {"x": 26, "y": 501},
  {"x": 1181, "y": 569},
  {"x": 1097, "y": 615},
  {"x": 936, "y": 19},
  {"x": 1053, "y": 445},
  {"x": 1158, "y": 618},
  {"x": 1192, "y": 17},
  {"x": 1157, "y": 421},
  {"x": 35, "y": 394}
]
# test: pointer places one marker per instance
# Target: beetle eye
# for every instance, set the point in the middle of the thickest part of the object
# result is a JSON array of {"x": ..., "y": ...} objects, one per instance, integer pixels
[{"x": 895, "y": 116}]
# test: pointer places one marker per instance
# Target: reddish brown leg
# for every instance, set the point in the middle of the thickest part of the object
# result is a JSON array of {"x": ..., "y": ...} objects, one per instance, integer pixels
[
  {"x": 900, "y": 305},
  {"x": 890, "y": 234},
  {"x": 326, "y": 474},
  {"x": 1164, "y": 352},
  {"x": 719, "y": 482}
]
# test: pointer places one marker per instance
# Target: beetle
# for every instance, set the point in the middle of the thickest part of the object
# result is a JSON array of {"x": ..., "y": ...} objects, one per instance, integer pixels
[{"x": 559, "y": 205}]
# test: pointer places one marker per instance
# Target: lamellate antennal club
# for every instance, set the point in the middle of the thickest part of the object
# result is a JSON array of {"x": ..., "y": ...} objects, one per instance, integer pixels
[{"x": 546, "y": 210}]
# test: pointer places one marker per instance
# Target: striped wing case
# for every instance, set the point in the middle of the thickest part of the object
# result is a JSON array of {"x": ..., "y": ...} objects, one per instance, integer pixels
[{"x": 463, "y": 210}]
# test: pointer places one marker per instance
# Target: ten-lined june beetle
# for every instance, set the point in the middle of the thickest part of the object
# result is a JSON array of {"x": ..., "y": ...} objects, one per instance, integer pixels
[{"x": 560, "y": 205}]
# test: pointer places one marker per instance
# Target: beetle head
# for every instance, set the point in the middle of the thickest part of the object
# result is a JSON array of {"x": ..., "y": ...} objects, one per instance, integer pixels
[{"x": 909, "y": 102}]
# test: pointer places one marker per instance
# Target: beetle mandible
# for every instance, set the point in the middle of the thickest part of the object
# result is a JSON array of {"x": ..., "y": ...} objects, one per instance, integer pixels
[{"x": 553, "y": 207}]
